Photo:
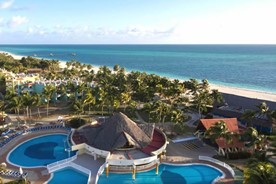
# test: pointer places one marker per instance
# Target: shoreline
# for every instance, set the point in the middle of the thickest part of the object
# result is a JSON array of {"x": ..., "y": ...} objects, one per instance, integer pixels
[{"x": 248, "y": 93}]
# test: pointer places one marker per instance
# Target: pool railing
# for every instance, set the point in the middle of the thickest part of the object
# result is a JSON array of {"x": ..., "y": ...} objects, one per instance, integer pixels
[
  {"x": 60, "y": 164},
  {"x": 100, "y": 171},
  {"x": 223, "y": 164},
  {"x": 68, "y": 163}
]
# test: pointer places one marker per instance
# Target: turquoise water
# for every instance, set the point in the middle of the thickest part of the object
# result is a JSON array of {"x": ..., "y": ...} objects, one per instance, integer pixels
[
  {"x": 168, "y": 174},
  {"x": 244, "y": 66},
  {"x": 40, "y": 151},
  {"x": 69, "y": 175}
]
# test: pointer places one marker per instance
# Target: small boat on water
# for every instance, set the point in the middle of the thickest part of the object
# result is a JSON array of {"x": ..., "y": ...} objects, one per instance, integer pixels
[
  {"x": 34, "y": 55},
  {"x": 51, "y": 54},
  {"x": 73, "y": 54}
]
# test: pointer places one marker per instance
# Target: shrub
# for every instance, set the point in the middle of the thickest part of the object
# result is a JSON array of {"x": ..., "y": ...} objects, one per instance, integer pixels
[
  {"x": 239, "y": 155},
  {"x": 76, "y": 122}
]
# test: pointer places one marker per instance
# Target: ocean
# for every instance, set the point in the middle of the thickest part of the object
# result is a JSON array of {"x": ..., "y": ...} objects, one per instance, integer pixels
[{"x": 250, "y": 67}]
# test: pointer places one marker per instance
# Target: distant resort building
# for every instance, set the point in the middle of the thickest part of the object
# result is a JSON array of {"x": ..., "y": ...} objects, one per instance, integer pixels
[
  {"x": 262, "y": 124},
  {"x": 125, "y": 145},
  {"x": 223, "y": 146}
]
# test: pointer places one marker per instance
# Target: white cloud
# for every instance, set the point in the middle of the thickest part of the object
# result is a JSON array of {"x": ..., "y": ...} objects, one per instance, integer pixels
[
  {"x": 16, "y": 21},
  {"x": 6, "y": 4}
]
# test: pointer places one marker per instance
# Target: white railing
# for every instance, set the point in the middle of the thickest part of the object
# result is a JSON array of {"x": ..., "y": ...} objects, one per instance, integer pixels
[
  {"x": 97, "y": 151},
  {"x": 82, "y": 169},
  {"x": 228, "y": 167},
  {"x": 60, "y": 164},
  {"x": 91, "y": 150},
  {"x": 68, "y": 163},
  {"x": 100, "y": 171},
  {"x": 160, "y": 150},
  {"x": 132, "y": 162}
]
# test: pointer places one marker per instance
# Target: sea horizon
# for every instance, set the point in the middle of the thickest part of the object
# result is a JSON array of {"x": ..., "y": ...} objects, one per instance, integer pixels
[{"x": 252, "y": 65}]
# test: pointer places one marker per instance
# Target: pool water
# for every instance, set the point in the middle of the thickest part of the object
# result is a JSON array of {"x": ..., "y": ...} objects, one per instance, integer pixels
[
  {"x": 69, "y": 175},
  {"x": 40, "y": 151},
  {"x": 168, "y": 174}
]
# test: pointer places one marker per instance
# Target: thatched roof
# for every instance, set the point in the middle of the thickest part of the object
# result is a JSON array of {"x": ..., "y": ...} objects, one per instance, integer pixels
[{"x": 116, "y": 132}]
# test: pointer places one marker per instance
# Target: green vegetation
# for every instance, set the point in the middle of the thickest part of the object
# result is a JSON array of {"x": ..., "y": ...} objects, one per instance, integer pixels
[
  {"x": 162, "y": 99},
  {"x": 76, "y": 122}
]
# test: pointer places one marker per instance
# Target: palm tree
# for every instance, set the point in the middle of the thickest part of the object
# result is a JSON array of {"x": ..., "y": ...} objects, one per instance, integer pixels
[
  {"x": 248, "y": 116},
  {"x": 78, "y": 107},
  {"x": 260, "y": 172},
  {"x": 250, "y": 136},
  {"x": 2, "y": 103},
  {"x": 219, "y": 130},
  {"x": 27, "y": 103},
  {"x": 201, "y": 101},
  {"x": 177, "y": 116},
  {"x": 161, "y": 111},
  {"x": 125, "y": 98},
  {"x": 217, "y": 96},
  {"x": 37, "y": 102},
  {"x": 48, "y": 94},
  {"x": 263, "y": 110},
  {"x": 89, "y": 100},
  {"x": 15, "y": 104}
]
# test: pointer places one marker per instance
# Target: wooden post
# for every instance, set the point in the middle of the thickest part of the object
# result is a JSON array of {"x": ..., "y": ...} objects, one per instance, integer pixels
[
  {"x": 134, "y": 172},
  {"x": 106, "y": 169},
  {"x": 157, "y": 166}
]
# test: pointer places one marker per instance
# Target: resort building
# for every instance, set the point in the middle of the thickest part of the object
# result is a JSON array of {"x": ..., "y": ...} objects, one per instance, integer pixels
[
  {"x": 125, "y": 145},
  {"x": 224, "y": 146}
]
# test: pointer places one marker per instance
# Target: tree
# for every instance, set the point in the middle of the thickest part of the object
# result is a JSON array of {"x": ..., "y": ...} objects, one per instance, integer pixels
[
  {"x": 260, "y": 172},
  {"x": 48, "y": 93},
  {"x": 89, "y": 100},
  {"x": 201, "y": 101},
  {"x": 248, "y": 116},
  {"x": 161, "y": 111},
  {"x": 219, "y": 130},
  {"x": 15, "y": 104},
  {"x": 116, "y": 68},
  {"x": 177, "y": 116},
  {"x": 37, "y": 101},
  {"x": 263, "y": 110},
  {"x": 125, "y": 98},
  {"x": 27, "y": 103},
  {"x": 78, "y": 107},
  {"x": 250, "y": 136}
]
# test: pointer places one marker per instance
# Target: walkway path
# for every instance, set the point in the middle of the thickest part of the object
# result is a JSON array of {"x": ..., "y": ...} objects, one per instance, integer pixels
[{"x": 88, "y": 162}]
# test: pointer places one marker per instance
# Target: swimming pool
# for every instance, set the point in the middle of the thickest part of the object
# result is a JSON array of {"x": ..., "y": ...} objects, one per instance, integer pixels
[
  {"x": 184, "y": 174},
  {"x": 40, "y": 151},
  {"x": 68, "y": 175}
]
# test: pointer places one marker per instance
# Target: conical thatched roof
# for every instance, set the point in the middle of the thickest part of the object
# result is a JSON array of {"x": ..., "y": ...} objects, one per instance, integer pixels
[{"x": 116, "y": 132}]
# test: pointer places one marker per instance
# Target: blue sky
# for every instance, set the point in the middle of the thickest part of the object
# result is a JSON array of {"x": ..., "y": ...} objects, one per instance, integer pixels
[{"x": 138, "y": 21}]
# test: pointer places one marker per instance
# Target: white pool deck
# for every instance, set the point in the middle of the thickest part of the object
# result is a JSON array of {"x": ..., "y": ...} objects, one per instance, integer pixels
[{"x": 88, "y": 162}]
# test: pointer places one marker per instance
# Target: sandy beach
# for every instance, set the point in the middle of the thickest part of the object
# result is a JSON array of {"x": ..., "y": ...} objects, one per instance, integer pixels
[{"x": 257, "y": 95}]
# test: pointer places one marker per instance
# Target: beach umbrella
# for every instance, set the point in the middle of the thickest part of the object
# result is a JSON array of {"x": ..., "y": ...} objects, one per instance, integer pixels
[
  {"x": 20, "y": 170},
  {"x": 3, "y": 165}
]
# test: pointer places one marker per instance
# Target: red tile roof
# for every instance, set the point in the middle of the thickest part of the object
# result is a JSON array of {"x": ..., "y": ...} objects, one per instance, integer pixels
[
  {"x": 235, "y": 143},
  {"x": 231, "y": 123}
]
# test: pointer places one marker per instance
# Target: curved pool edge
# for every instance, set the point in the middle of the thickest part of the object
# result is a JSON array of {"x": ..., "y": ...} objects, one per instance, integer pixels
[
  {"x": 27, "y": 167},
  {"x": 195, "y": 163},
  {"x": 179, "y": 165}
]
